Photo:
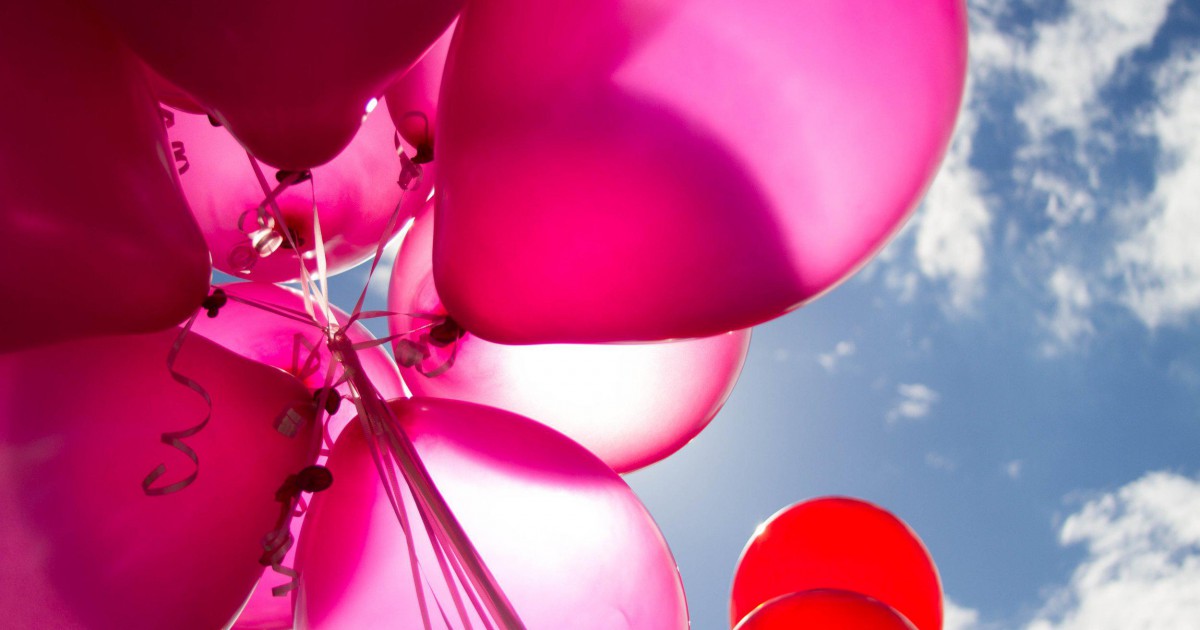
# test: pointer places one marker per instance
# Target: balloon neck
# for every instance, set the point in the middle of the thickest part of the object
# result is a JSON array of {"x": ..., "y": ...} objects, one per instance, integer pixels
[{"x": 424, "y": 153}]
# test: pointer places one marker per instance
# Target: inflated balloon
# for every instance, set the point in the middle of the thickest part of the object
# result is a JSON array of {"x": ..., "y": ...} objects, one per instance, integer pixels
[
  {"x": 824, "y": 609},
  {"x": 412, "y": 99},
  {"x": 94, "y": 225},
  {"x": 291, "y": 80},
  {"x": 635, "y": 174},
  {"x": 356, "y": 197},
  {"x": 169, "y": 94},
  {"x": 562, "y": 534},
  {"x": 299, "y": 349},
  {"x": 839, "y": 543},
  {"x": 630, "y": 404},
  {"x": 81, "y": 426}
]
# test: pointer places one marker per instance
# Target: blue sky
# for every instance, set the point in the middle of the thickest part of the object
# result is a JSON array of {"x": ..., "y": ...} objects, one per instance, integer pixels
[{"x": 1018, "y": 374}]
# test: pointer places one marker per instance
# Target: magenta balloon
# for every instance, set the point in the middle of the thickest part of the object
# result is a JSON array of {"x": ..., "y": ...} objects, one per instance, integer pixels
[
  {"x": 356, "y": 195},
  {"x": 80, "y": 427},
  {"x": 412, "y": 99},
  {"x": 284, "y": 343},
  {"x": 706, "y": 169},
  {"x": 96, "y": 237},
  {"x": 290, "y": 79},
  {"x": 630, "y": 404},
  {"x": 565, "y": 538}
]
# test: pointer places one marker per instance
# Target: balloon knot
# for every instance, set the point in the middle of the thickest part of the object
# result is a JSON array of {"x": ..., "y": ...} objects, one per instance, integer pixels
[
  {"x": 214, "y": 302},
  {"x": 212, "y": 120},
  {"x": 301, "y": 176},
  {"x": 424, "y": 154},
  {"x": 333, "y": 400},
  {"x": 446, "y": 332}
]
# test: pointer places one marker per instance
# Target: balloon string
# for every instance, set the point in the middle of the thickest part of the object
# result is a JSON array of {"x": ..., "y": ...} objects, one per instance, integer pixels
[
  {"x": 380, "y": 420},
  {"x": 410, "y": 173},
  {"x": 175, "y": 439},
  {"x": 281, "y": 311},
  {"x": 392, "y": 489}
]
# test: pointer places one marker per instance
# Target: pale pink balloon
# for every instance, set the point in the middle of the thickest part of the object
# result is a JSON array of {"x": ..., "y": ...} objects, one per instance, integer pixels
[
  {"x": 630, "y": 404},
  {"x": 80, "y": 428},
  {"x": 565, "y": 538},
  {"x": 412, "y": 99},
  {"x": 610, "y": 172},
  {"x": 356, "y": 195},
  {"x": 298, "y": 349},
  {"x": 290, "y": 79},
  {"x": 96, "y": 237}
]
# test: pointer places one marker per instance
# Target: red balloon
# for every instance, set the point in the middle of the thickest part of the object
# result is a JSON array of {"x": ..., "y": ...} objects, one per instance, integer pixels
[
  {"x": 290, "y": 79},
  {"x": 96, "y": 237},
  {"x": 839, "y": 543},
  {"x": 81, "y": 426},
  {"x": 356, "y": 196},
  {"x": 624, "y": 170},
  {"x": 825, "y": 609}
]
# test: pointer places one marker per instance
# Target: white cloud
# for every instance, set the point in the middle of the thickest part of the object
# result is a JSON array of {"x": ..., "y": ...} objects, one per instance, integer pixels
[
  {"x": 937, "y": 461},
  {"x": 916, "y": 401},
  {"x": 830, "y": 360},
  {"x": 1013, "y": 469},
  {"x": 957, "y": 617},
  {"x": 1073, "y": 58},
  {"x": 1142, "y": 568},
  {"x": 1069, "y": 325},
  {"x": 1161, "y": 261},
  {"x": 953, "y": 225}
]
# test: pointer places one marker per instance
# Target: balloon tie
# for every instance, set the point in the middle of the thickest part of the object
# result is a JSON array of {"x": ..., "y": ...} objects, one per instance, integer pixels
[
  {"x": 175, "y": 439},
  {"x": 279, "y": 540},
  {"x": 214, "y": 302}
]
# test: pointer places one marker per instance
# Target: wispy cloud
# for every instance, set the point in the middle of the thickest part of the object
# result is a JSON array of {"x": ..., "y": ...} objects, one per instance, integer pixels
[
  {"x": 937, "y": 461},
  {"x": 1069, "y": 325},
  {"x": 1160, "y": 262},
  {"x": 1013, "y": 469},
  {"x": 1074, "y": 57},
  {"x": 830, "y": 360},
  {"x": 915, "y": 402},
  {"x": 1143, "y": 560}
]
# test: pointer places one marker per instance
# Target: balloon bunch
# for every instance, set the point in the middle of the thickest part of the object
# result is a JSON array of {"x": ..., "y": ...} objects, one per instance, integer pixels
[{"x": 574, "y": 177}]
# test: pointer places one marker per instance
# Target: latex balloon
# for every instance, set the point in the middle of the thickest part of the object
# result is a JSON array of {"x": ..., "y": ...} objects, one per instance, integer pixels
[
  {"x": 80, "y": 428},
  {"x": 565, "y": 538},
  {"x": 290, "y": 79},
  {"x": 298, "y": 349},
  {"x": 90, "y": 207},
  {"x": 824, "y": 609},
  {"x": 356, "y": 195},
  {"x": 412, "y": 99},
  {"x": 630, "y": 404},
  {"x": 699, "y": 166},
  {"x": 169, "y": 94},
  {"x": 839, "y": 543}
]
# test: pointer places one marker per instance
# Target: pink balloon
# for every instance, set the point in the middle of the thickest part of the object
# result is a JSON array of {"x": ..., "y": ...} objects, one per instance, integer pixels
[
  {"x": 80, "y": 427},
  {"x": 412, "y": 99},
  {"x": 611, "y": 173},
  {"x": 96, "y": 236},
  {"x": 285, "y": 343},
  {"x": 290, "y": 79},
  {"x": 356, "y": 195},
  {"x": 824, "y": 609},
  {"x": 612, "y": 399},
  {"x": 565, "y": 538}
]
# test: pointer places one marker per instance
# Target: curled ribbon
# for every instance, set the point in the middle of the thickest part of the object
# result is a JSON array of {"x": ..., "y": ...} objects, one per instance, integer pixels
[{"x": 175, "y": 439}]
